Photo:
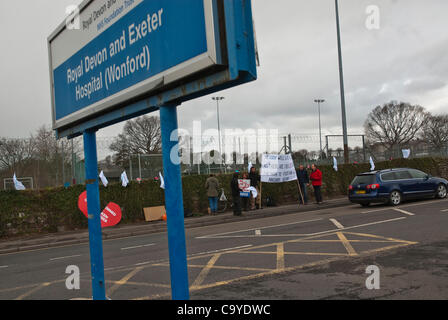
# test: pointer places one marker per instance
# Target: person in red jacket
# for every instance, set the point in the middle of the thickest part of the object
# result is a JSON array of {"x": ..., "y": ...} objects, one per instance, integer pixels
[{"x": 316, "y": 181}]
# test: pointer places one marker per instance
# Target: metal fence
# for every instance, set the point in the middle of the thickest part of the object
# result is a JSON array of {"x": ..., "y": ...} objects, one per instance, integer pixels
[{"x": 69, "y": 169}]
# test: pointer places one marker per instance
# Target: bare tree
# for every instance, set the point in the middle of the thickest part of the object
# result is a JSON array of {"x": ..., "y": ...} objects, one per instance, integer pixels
[
  {"x": 435, "y": 132},
  {"x": 15, "y": 152},
  {"x": 140, "y": 136},
  {"x": 394, "y": 124}
]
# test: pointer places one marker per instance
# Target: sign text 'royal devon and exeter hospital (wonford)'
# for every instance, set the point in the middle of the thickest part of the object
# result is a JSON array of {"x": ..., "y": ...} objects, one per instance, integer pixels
[{"x": 115, "y": 72}]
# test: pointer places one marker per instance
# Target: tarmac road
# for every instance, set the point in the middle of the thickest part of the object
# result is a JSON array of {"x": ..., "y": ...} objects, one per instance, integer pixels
[{"x": 321, "y": 254}]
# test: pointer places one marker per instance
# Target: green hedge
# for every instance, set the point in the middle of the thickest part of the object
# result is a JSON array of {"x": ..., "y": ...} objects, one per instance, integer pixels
[{"x": 48, "y": 210}]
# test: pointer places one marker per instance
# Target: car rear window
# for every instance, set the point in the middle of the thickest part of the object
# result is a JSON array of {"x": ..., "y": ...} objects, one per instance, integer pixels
[{"x": 364, "y": 179}]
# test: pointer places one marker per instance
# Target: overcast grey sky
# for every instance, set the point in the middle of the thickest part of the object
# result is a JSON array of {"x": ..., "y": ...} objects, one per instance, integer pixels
[{"x": 406, "y": 59}]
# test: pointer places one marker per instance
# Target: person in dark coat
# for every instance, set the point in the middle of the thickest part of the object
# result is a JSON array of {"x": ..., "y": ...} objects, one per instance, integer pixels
[
  {"x": 234, "y": 186},
  {"x": 254, "y": 181},
  {"x": 304, "y": 180}
]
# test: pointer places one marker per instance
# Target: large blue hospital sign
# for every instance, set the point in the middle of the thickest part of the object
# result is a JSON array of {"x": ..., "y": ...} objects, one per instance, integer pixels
[{"x": 127, "y": 48}]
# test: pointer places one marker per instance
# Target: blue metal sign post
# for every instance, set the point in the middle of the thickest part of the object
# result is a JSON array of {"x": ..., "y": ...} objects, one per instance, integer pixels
[
  {"x": 174, "y": 203},
  {"x": 94, "y": 212}
]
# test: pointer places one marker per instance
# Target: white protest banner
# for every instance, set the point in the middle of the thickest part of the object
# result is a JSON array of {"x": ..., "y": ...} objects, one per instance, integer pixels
[{"x": 277, "y": 168}]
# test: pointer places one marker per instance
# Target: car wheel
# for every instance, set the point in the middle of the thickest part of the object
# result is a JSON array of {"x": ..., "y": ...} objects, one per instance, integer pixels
[
  {"x": 395, "y": 198},
  {"x": 441, "y": 191}
]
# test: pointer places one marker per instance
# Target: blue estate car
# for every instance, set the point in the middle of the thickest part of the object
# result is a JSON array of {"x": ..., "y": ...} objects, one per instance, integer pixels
[{"x": 395, "y": 185}]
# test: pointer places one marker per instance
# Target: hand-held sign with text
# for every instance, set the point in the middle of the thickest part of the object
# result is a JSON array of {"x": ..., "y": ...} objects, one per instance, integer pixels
[
  {"x": 110, "y": 216},
  {"x": 244, "y": 184}
]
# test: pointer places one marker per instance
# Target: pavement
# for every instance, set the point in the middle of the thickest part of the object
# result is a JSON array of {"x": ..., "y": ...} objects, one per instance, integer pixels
[{"x": 77, "y": 237}]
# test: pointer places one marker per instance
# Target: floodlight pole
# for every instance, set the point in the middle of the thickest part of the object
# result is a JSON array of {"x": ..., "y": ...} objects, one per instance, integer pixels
[
  {"x": 319, "y": 101},
  {"x": 174, "y": 203},
  {"x": 341, "y": 79},
  {"x": 217, "y": 99},
  {"x": 94, "y": 218}
]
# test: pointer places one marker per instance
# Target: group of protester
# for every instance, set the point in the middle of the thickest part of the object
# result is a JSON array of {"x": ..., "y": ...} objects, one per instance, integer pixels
[
  {"x": 239, "y": 204},
  {"x": 305, "y": 179},
  {"x": 314, "y": 179}
]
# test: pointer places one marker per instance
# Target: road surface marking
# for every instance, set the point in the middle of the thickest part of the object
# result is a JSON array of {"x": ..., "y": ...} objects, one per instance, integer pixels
[
  {"x": 26, "y": 294},
  {"x": 3, "y": 267},
  {"x": 204, "y": 272},
  {"x": 220, "y": 250},
  {"x": 124, "y": 280},
  {"x": 136, "y": 247},
  {"x": 403, "y": 206},
  {"x": 404, "y": 211},
  {"x": 280, "y": 256},
  {"x": 258, "y": 232},
  {"x": 67, "y": 257},
  {"x": 444, "y": 210},
  {"x": 347, "y": 245},
  {"x": 309, "y": 234},
  {"x": 337, "y": 224},
  {"x": 253, "y": 229}
]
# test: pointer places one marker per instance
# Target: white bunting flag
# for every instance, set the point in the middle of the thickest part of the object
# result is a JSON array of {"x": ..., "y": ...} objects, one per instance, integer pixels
[
  {"x": 17, "y": 184},
  {"x": 162, "y": 182},
  {"x": 372, "y": 165},
  {"x": 335, "y": 164},
  {"x": 406, "y": 153},
  {"x": 103, "y": 179},
  {"x": 124, "y": 179}
]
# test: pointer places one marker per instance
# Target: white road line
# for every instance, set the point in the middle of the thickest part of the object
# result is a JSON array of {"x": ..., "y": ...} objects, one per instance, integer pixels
[
  {"x": 404, "y": 206},
  {"x": 312, "y": 234},
  {"x": 142, "y": 246},
  {"x": 3, "y": 267},
  {"x": 336, "y": 223},
  {"x": 404, "y": 211},
  {"x": 444, "y": 210},
  {"x": 60, "y": 258},
  {"x": 253, "y": 229}
]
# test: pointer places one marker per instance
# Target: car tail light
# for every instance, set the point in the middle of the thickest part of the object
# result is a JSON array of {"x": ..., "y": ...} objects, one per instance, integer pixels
[
  {"x": 350, "y": 187},
  {"x": 373, "y": 186}
]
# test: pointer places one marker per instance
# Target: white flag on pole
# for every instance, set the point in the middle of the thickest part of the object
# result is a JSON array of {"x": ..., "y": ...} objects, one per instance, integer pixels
[
  {"x": 17, "y": 184},
  {"x": 162, "y": 182},
  {"x": 372, "y": 165},
  {"x": 124, "y": 179},
  {"x": 335, "y": 164},
  {"x": 250, "y": 166},
  {"x": 103, "y": 179},
  {"x": 406, "y": 153}
]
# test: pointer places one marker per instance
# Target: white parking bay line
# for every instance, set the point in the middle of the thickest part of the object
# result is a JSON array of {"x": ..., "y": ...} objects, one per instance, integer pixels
[
  {"x": 254, "y": 229},
  {"x": 444, "y": 210},
  {"x": 136, "y": 247},
  {"x": 404, "y": 211},
  {"x": 3, "y": 267},
  {"x": 337, "y": 224},
  {"x": 67, "y": 257}
]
